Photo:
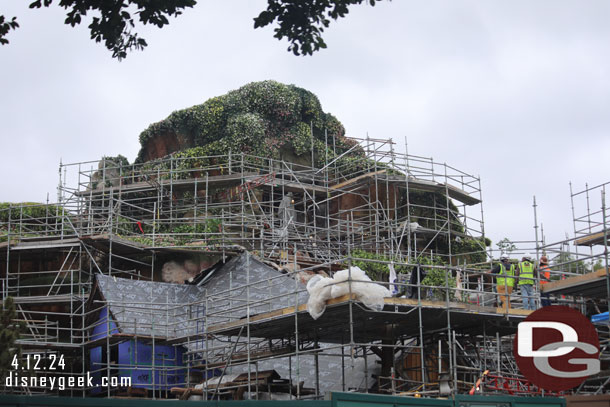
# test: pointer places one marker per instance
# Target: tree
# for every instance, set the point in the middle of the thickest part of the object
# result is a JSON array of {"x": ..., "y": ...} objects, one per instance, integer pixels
[
  {"x": 300, "y": 21},
  {"x": 567, "y": 262},
  {"x": 5, "y": 27},
  {"x": 506, "y": 246}
]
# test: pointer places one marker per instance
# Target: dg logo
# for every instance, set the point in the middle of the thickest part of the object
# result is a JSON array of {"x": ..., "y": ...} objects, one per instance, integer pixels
[{"x": 556, "y": 348}]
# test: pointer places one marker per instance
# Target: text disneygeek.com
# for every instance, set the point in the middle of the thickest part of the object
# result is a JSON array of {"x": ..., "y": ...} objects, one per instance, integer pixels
[{"x": 64, "y": 382}]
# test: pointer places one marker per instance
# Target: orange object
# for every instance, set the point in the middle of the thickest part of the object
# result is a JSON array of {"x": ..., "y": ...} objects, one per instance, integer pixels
[{"x": 546, "y": 273}]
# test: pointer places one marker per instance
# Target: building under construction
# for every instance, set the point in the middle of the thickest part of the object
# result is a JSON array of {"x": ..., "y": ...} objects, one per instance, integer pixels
[{"x": 194, "y": 277}]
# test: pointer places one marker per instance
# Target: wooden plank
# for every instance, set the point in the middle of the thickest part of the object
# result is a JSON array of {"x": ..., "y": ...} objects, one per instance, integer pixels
[
  {"x": 48, "y": 243},
  {"x": 513, "y": 311},
  {"x": 430, "y": 186},
  {"x": 276, "y": 313},
  {"x": 356, "y": 179},
  {"x": 409, "y": 302},
  {"x": 264, "y": 374},
  {"x": 574, "y": 281},
  {"x": 590, "y": 240}
]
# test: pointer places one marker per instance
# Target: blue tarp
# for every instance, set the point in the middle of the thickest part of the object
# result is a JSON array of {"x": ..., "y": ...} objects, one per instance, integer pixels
[{"x": 600, "y": 317}]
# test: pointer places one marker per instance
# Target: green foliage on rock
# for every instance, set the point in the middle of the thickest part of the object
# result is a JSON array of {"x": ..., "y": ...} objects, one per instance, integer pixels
[
  {"x": 115, "y": 161},
  {"x": 27, "y": 210},
  {"x": 429, "y": 209},
  {"x": 473, "y": 250},
  {"x": 27, "y": 218},
  {"x": 208, "y": 229},
  {"x": 260, "y": 118}
]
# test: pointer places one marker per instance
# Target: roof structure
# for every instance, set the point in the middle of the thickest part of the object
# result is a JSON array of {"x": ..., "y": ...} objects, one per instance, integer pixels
[
  {"x": 151, "y": 308},
  {"x": 245, "y": 276},
  {"x": 167, "y": 310}
]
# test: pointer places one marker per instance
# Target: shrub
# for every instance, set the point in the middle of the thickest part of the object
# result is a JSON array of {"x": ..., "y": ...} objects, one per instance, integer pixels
[
  {"x": 376, "y": 271},
  {"x": 439, "y": 277}
]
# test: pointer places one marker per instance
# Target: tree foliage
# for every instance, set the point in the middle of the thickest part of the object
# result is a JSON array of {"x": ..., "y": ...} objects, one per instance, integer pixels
[
  {"x": 439, "y": 279},
  {"x": 300, "y": 21},
  {"x": 303, "y": 22},
  {"x": 112, "y": 21},
  {"x": 5, "y": 27},
  {"x": 565, "y": 261},
  {"x": 506, "y": 246}
]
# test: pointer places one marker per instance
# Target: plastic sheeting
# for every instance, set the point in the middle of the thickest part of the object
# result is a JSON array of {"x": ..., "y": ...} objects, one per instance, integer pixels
[{"x": 322, "y": 289}]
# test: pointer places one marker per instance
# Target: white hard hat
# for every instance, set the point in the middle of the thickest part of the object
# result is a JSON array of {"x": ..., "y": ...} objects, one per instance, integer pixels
[
  {"x": 527, "y": 256},
  {"x": 504, "y": 256}
]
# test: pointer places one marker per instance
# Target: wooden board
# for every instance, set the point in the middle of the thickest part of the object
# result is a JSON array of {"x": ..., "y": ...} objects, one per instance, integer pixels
[
  {"x": 591, "y": 240},
  {"x": 588, "y": 285}
]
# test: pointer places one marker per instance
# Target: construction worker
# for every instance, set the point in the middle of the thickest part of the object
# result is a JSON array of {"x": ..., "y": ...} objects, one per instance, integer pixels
[
  {"x": 545, "y": 277},
  {"x": 504, "y": 280},
  {"x": 526, "y": 271}
]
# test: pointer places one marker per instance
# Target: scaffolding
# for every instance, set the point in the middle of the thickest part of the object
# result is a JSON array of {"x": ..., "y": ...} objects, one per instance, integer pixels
[
  {"x": 371, "y": 207},
  {"x": 581, "y": 272}
]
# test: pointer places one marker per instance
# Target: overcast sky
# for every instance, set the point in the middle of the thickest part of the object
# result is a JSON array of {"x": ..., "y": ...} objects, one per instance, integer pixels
[{"x": 517, "y": 92}]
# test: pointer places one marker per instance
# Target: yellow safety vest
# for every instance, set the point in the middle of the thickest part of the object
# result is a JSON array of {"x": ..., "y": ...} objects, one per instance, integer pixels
[
  {"x": 501, "y": 280},
  {"x": 526, "y": 273}
]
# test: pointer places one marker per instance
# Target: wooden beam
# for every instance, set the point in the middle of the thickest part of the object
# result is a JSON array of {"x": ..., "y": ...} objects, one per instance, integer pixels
[
  {"x": 574, "y": 281},
  {"x": 356, "y": 179}
]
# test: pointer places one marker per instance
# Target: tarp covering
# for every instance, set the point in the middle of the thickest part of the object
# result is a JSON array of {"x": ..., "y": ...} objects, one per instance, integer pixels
[
  {"x": 353, "y": 280},
  {"x": 152, "y": 308},
  {"x": 244, "y": 277}
]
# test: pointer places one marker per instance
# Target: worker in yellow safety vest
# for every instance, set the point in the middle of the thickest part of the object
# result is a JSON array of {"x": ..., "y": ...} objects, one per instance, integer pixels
[
  {"x": 526, "y": 272},
  {"x": 505, "y": 281}
]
